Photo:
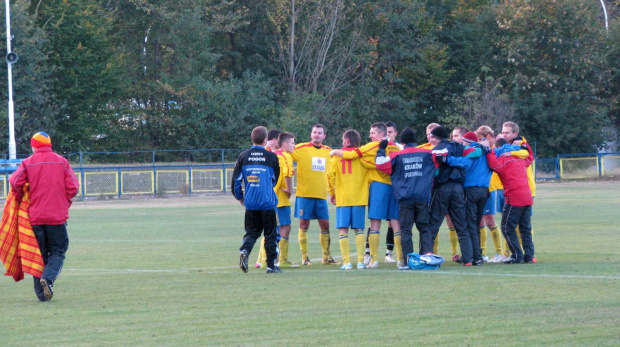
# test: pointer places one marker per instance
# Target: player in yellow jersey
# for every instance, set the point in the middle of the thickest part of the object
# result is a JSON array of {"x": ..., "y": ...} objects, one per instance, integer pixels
[
  {"x": 382, "y": 204},
  {"x": 283, "y": 188},
  {"x": 311, "y": 199},
  {"x": 391, "y": 133},
  {"x": 348, "y": 190}
]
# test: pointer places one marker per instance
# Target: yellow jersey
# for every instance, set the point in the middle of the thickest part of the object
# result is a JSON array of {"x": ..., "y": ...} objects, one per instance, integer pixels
[
  {"x": 495, "y": 182},
  {"x": 286, "y": 171},
  {"x": 531, "y": 179},
  {"x": 426, "y": 146},
  {"x": 347, "y": 179},
  {"x": 367, "y": 153},
  {"x": 312, "y": 165}
]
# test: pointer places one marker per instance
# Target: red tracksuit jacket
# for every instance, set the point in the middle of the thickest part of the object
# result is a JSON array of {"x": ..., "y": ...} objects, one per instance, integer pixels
[
  {"x": 512, "y": 172},
  {"x": 52, "y": 185}
]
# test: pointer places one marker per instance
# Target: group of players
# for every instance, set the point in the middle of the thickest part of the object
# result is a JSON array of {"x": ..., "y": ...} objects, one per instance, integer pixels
[{"x": 457, "y": 177}]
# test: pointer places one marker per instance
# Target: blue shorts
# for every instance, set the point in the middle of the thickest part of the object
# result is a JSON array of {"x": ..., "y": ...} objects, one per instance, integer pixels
[
  {"x": 500, "y": 200},
  {"x": 284, "y": 215},
  {"x": 311, "y": 208},
  {"x": 351, "y": 217},
  {"x": 381, "y": 202},
  {"x": 491, "y": 205}
]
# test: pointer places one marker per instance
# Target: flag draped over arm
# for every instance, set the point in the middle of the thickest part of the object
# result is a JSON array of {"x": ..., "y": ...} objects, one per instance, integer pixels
[{"x": 19, "y": 250}]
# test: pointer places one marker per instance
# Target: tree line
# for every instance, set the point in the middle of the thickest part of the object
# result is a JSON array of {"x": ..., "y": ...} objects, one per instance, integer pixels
[{"x": 120, "y": 75}]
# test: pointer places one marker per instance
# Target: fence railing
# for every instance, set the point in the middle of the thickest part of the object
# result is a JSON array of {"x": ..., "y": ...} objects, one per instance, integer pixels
[{"x": 160, "y": 179}]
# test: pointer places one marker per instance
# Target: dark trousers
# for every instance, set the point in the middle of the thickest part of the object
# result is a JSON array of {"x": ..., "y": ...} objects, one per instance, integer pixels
[
  {"x": 417, "y": 213},
  {"x": 389, "y": 239},
  {"x": 513, "y": 216},
  {"x": 475, "y": 200},
  {"x": 259, "y": 222},
  {"x": 449, "y": 198},
  {"x": 53, "y": 242}
]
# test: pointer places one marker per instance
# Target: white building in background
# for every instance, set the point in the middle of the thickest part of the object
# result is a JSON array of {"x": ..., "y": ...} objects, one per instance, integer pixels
[{"x": 612, "y": 146}]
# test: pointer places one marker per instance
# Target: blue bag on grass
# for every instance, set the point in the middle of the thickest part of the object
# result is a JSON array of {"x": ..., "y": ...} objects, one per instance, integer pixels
[{"x": 424, "y": 262}]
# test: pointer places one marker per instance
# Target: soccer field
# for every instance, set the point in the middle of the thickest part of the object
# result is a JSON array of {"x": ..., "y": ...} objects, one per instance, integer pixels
[{"x": 165, "y": 272}]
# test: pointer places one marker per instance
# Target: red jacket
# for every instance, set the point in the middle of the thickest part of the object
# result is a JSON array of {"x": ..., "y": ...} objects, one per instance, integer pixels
[
  {"x": 52, "y": 185},
  {"x": 513, "y": 173}
]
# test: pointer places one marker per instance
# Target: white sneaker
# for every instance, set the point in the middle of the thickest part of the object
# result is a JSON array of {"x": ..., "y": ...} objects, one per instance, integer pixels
[
  {"x": 347, "y": 266},
  {"x": 399, "y": 264},
  {"x": 367, "y": 259},
  {"x": 373, "y": 265},
  {"x": 361, "y": 266},
  {"x": 497, "y": 258},
  {"x": 389, "y": 258},
  {"x": 485, "y": 258}
]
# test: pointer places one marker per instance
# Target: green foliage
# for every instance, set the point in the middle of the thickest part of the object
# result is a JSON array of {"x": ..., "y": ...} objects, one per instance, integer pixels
[
  {"x": 224, "y": 112},
  {"x": 84, "y": 78},
  {"x": 550, "y": 55}
]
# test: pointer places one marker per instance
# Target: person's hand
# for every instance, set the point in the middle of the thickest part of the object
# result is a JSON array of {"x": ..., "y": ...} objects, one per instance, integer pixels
[
  {"x": 383, "y": 144},
  {"x": 332, "y": 199},
  {"x": 441, "y": 159},
  {"x": 241, "y": 202},
  {"x": 287, "y": 191},
  {"x": 485, "y": 149}
]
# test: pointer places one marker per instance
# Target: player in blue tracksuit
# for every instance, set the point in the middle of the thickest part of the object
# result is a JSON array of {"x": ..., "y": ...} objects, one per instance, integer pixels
[
  {"x": 476, "y": 188},
  {"x": 411, "y": 171},
  {"x": 256, "y": 173}
]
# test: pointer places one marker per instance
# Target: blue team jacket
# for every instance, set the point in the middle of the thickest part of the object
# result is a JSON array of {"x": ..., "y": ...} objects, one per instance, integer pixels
[
  {"x": 477, "y": 172},
  {"x": 256, "y": 172},
  {"x": 411, "y": 171}
]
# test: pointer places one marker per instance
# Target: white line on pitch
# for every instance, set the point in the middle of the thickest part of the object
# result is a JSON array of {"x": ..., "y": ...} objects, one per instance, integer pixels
[{"x": 77, "y": 272}]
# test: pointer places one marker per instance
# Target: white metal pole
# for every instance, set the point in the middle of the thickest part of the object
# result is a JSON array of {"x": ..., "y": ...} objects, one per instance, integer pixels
[
  {"x": 12, "y": 147},
  {"x": 605, "y": 14}
]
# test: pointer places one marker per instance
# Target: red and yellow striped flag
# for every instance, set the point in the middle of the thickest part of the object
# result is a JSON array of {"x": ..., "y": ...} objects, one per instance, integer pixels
[{"x": 19, "y": 249}]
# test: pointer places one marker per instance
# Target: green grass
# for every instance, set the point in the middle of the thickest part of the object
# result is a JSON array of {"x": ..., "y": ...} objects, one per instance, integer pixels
[{"x": 153, "y": 272}]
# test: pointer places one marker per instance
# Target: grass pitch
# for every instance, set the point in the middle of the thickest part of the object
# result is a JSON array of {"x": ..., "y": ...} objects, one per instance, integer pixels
[{"x": 165, "y": 272}]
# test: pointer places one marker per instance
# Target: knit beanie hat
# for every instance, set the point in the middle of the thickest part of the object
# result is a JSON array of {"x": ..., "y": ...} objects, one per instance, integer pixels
[
  {"x": 407, "y": 136},
  {"x": 470, "y": 137},
  {"x": 40, "y": 139},
  {"x": 440, "y": 133}
]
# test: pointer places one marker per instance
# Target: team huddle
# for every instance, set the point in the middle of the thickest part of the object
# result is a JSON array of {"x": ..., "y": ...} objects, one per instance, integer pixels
[{"x": 463, "y": 177}]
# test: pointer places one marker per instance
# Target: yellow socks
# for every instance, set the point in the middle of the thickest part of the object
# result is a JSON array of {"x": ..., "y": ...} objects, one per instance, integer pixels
[
  {"x": 436, "y": 245},
  {"x": 283, "y": 250},
  {"x": 398, "y": 247},
  {"x": 373, "y": 242},
  {"x": 262, "y": 255},
  {"x": 303, "y": 243},
  {"x": 483, "y": 240},
  {"x": 360, "y": 244},
  {"x": 496, "y": 235},
  {"x": 454, "y": 240},
  {"x": 325, "y": 241},
  {"x": 343, "y": 240}
]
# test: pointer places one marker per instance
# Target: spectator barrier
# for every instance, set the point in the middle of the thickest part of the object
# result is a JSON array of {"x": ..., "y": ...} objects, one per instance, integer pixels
[{"x": 159, "y": 179}]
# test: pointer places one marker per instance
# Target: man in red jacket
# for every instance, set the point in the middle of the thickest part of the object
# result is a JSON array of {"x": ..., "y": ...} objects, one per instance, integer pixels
[
  {"x": 518, "y": 203},
  {"x": 52, "y": 185}
]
